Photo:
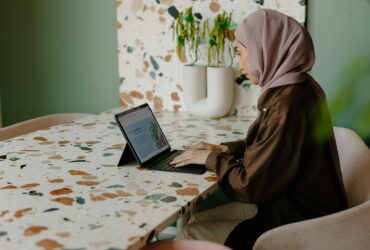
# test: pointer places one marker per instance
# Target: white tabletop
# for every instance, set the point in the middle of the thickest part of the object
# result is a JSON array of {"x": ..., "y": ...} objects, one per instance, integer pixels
[{"x": 60, "y": 188}]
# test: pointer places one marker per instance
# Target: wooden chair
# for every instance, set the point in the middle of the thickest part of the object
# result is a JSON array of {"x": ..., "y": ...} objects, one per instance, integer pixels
[{"x": 34, "y": 124}]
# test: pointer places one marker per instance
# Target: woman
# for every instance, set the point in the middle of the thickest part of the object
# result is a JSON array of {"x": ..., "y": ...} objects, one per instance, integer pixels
[{"x": 288, "y": 164}]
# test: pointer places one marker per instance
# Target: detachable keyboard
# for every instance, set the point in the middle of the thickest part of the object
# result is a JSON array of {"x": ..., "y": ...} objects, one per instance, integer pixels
[{"x": 163, "y": 164}]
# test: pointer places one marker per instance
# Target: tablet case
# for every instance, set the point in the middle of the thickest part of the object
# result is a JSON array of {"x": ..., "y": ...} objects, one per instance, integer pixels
[{"x": 127, "y": 156}]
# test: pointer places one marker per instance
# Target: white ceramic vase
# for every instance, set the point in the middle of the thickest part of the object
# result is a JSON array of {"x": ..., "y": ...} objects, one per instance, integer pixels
[{"x": 208, "y": 91}]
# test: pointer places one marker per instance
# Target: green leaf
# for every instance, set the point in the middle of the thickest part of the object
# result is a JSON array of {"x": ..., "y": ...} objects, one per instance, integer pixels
[
  {"x": 232, "y": 26},
  {"x": 189, "y": 18},
  {"x": 181, "y": 40},
  {"x": 212, "y": 42}
]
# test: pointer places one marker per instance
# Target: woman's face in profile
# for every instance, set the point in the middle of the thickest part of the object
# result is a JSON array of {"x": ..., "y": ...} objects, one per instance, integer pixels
[{"x": 244, "y": 62}]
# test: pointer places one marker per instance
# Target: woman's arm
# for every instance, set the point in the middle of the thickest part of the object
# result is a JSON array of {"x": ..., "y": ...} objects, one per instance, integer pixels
[
  {"x": 210, "y": 147},
  {"x": 235, "y": 148},
  {"x": 270, "y": 162}
]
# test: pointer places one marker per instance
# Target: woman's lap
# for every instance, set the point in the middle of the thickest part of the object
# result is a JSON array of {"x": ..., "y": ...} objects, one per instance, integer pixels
[
  {"x": 230, "y": 211},
  {"x": 214, "y": 231},
  {"x": 216, "y": 224}
]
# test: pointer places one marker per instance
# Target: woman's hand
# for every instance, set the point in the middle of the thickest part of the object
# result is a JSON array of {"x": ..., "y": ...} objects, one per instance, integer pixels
[
  {"x": 210, "y": 147},
  {"x": 191, "y": 157},
  {"x": 197, "y": 154}
]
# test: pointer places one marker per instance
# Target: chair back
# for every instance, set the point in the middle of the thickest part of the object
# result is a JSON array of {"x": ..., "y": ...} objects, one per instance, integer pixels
[
  {"x": 354, "y": 157},
  {"x": 38, "y": 123}
]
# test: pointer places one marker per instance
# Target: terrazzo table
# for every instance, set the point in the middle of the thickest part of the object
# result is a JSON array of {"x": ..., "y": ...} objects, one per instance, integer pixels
[{"x": 60, "y": 188}]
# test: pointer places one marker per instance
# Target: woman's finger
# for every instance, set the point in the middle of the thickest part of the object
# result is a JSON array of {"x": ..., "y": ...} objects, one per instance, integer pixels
[
  {"x": 177, "y": 160},
  {"x": 183, "y": 163},
  {"x": 191, "y": 156},
  {"x": 199, "y": 145},
  {"x": 180, "y": 158}
]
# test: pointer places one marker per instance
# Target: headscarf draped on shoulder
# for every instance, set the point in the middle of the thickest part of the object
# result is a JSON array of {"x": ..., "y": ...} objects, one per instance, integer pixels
[{"x": 280, "y": 50}]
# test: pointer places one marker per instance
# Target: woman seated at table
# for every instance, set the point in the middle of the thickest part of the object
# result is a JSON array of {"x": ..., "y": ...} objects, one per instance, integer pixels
[{"x": 288, "y": 164}]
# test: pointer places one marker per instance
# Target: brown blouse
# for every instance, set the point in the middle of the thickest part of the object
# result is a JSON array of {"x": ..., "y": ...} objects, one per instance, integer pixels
[{"x": 288, "y": 164}]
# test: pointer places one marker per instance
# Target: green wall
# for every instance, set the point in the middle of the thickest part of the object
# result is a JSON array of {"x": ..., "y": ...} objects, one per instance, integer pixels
[
  {"x": 57, "y": 56},
  {"x": 341, "y": 33}
]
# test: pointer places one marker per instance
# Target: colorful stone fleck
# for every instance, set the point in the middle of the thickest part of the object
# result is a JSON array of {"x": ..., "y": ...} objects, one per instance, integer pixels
[
  {"x": 64, "y": 200},
  {"x": 115, "y": 186},
  {"x": 49, "y": 244},
  {"x": 61, "y": 191},
  {"x": 211, "y": 178},
  {"x": 169, "y": 199},
  {"x": 51, "y": 209},
  {"x": 34, "y": 230},
  {"x": 175, "y": 184},
  {"x": 80, "y": 200},
  {"x": 21, "y": 212},
  {"x": 187, "y": 191},
  {"x": 155, "y": 197},
  {"x": 77, "y": 172},
  {"x": 87, "y": 183}
]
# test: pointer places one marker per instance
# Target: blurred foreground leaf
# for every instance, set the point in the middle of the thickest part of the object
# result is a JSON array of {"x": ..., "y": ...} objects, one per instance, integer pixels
[{"x": 350, "y": 104}]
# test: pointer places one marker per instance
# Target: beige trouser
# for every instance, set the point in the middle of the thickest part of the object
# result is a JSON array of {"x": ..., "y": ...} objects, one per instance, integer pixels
[{"x": 217, "y": 223}]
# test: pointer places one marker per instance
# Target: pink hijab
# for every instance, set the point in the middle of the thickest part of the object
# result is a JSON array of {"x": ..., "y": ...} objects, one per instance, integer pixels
[{"x": 280, "y": 50}]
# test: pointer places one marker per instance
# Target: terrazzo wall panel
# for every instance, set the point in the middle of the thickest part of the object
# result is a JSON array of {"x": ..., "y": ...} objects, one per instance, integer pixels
[{"x": 149, "y": 68}]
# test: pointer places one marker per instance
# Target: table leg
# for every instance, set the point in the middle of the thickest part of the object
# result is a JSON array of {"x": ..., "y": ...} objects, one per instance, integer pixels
[{"x": 183, "y": 220}]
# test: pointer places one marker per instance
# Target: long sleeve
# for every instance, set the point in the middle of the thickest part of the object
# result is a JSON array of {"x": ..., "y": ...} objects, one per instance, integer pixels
[
  {"x": 236, "y": 148},
  {"x": 270, "y": 161}
]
